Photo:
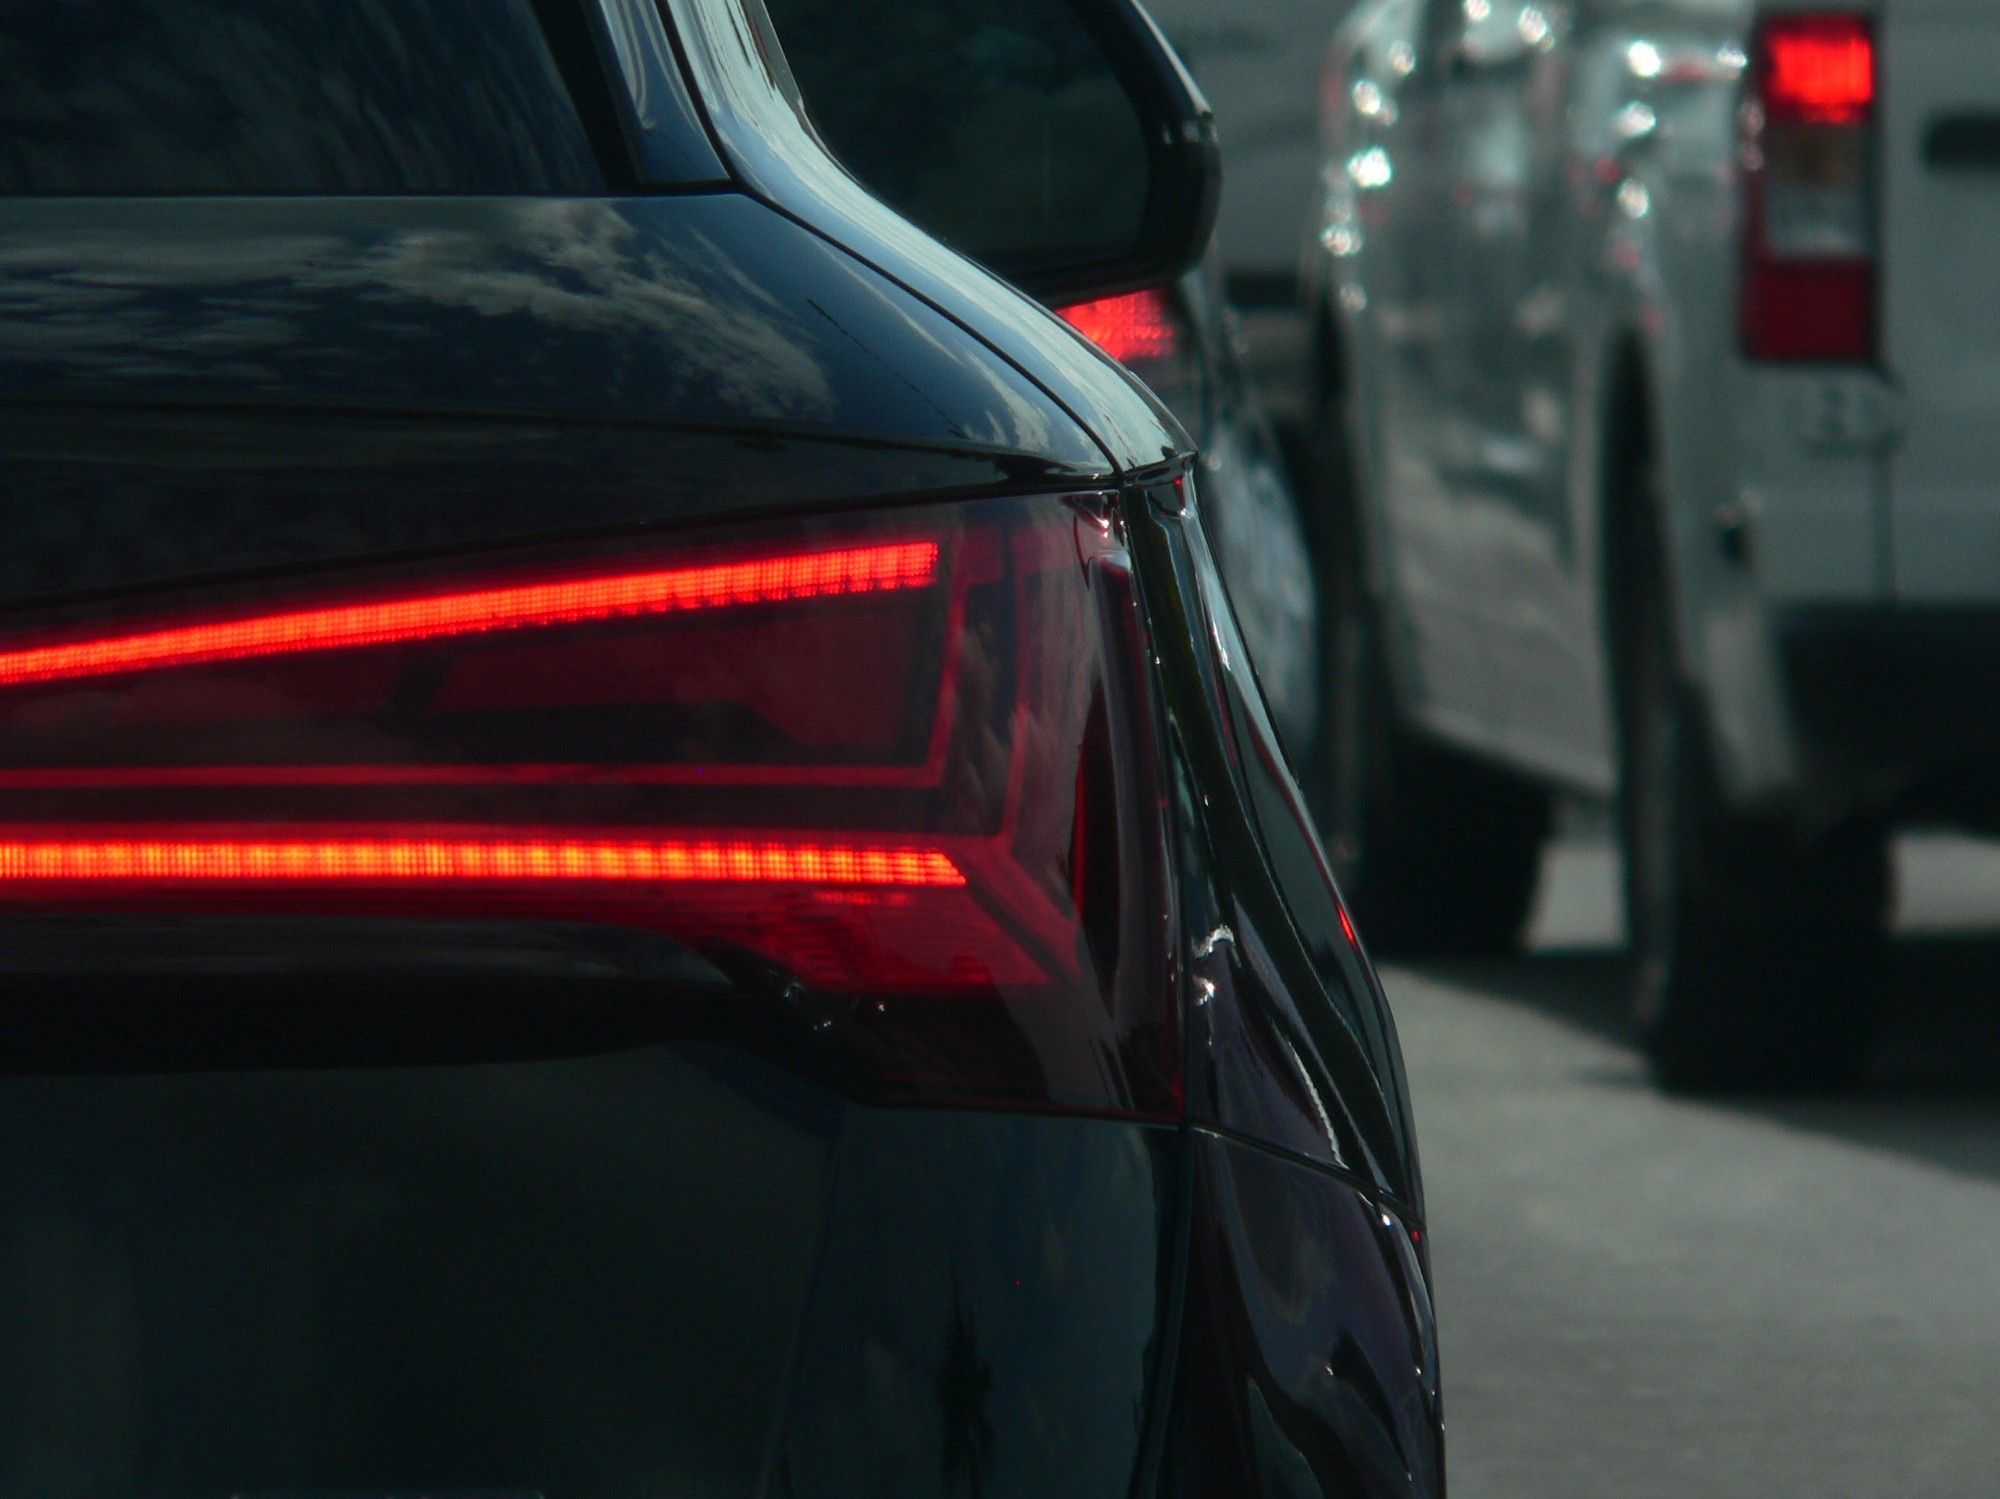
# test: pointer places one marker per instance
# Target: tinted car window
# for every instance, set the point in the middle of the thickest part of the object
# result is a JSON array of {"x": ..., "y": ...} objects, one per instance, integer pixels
[
  {"x": 284, "y": 96},
  {"x": 998, "y": 125}
]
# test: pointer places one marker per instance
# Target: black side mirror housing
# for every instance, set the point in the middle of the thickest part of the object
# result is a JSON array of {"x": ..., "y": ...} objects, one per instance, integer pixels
[{"x": 1060, "y": 143}]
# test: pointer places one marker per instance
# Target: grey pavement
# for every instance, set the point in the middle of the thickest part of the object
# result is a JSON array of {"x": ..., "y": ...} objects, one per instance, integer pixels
[{"x": 1642, "y": 1296}]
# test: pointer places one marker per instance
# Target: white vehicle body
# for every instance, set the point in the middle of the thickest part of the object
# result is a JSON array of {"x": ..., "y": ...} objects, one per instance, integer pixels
[
  {"x": 1530, "y": 244},
  {"x": 1258, "y": 63}
]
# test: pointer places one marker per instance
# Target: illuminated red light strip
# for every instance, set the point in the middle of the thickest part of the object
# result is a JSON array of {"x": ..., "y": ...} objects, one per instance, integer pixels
[
  {"x": 1821, "y": 68},
  {"x": 469, "y": 860},
  {"x": 811, "y": 575},
  {"x": 1131, "y": 329}
]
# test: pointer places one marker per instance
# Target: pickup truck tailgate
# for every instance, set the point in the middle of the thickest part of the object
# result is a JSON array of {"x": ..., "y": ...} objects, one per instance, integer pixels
[{"x": 1940, "y": 94}]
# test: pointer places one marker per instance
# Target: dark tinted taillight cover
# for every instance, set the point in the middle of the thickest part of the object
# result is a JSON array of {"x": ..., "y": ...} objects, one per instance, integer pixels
[{"x": 903, "y": 762}]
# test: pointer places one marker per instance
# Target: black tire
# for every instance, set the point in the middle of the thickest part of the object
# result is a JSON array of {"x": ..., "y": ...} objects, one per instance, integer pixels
[
  {"x": 1437, "y": 854},
  {"x": 1756, "y": 953}
]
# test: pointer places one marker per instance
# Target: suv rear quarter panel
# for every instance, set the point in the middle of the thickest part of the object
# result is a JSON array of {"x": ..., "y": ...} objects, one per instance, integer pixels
[{"x": 199, "y": 386}]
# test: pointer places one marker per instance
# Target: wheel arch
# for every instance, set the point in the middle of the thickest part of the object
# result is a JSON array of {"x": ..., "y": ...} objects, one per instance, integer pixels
[
  {"x": 1351, "y": 515},
  {"x": 1346, "y": 519},
  {"x": 1722, "y": 647},
  {"x": 1641, "y": 543},
  {"x": 1634, "y": 536}
]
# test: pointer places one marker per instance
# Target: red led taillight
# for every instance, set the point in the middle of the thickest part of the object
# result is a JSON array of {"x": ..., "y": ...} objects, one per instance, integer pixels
[
  {"x": 437, "y": 614},
  {"x": 1809, "y": 234},
  {"x": 391, "y": 860},
  {"x": 906, "y": 765},
  {"x": 1132, "y": 329},
  {"x": 1819, "y": 68}
]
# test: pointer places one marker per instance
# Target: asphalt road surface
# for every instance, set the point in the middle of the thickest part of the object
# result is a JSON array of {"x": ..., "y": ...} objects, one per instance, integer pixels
[{"x": 1642, "y": 1297}]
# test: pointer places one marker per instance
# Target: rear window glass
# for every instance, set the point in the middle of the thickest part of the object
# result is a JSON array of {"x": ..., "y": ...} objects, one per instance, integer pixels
[{"x": 173, "y": 97}]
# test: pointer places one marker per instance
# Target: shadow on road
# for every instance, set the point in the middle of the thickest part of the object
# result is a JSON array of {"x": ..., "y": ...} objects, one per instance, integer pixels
[{"x": 1933, "y": 1093}]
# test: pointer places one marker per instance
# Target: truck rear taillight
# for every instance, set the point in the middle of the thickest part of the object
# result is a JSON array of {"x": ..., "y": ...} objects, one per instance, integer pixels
[
  {"x": 1808, "y": 166},
  {"x": 899, "y": 769}
]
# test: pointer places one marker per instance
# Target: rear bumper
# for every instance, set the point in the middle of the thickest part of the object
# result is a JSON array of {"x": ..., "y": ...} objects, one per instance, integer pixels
[
  {"x": 1896, "y": 706},
  {"x": 667, "y": 1269},
  {"x": 673, "y": 1269},
  {"x": 1308, "y": 1351},
  {"x": 991, "y": 1308},
  {"x": 1024, "y": 1307}
]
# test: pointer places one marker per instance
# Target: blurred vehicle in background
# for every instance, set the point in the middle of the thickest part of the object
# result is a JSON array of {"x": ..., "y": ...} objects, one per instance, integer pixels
[
  {"x": 1258, "y": 61},
  {"x": 637, "y": 850},
  {"x": 1659, "y": 416}
]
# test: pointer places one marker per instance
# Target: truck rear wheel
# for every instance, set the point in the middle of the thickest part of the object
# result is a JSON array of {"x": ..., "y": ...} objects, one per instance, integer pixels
[
  {"x": 1756, "y": 954},
  {"x": 1437, "y": 854}
]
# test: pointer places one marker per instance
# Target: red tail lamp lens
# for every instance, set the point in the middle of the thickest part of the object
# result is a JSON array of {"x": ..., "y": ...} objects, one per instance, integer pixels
[
  {"x": 905, "y": 765},
  {"x": 1809, "y": 311},
  {"x": 188, "y": 859},
  {"x": 1131, "y": 329},
  {"x": 1809, "y": 288},
  {"x": 1818, "y": 68},
  {"x": 431, "y": 615}
]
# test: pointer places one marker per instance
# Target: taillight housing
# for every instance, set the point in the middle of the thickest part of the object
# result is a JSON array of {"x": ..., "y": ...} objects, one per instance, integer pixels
[
  {"x": 1809, "y": 278},
  {"x": 898, "y": 769},
  {"x": 1139, "y": 328}
]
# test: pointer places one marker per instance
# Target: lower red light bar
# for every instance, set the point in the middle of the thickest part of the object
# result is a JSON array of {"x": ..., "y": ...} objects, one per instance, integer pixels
[
  {"x": 211, "y": 861},
  {"x": 440, "y": 615}
]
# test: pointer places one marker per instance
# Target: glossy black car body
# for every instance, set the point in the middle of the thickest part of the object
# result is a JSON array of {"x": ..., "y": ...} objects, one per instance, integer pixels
[{"x": 376, "y": 1208}]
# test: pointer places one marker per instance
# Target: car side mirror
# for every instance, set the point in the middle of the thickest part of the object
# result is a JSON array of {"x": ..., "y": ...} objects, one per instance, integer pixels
[{"x": 1060, "y": 143}]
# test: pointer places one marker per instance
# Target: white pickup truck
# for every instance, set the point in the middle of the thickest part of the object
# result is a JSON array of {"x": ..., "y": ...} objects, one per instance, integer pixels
[{"x": 1660, "y": 379}]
